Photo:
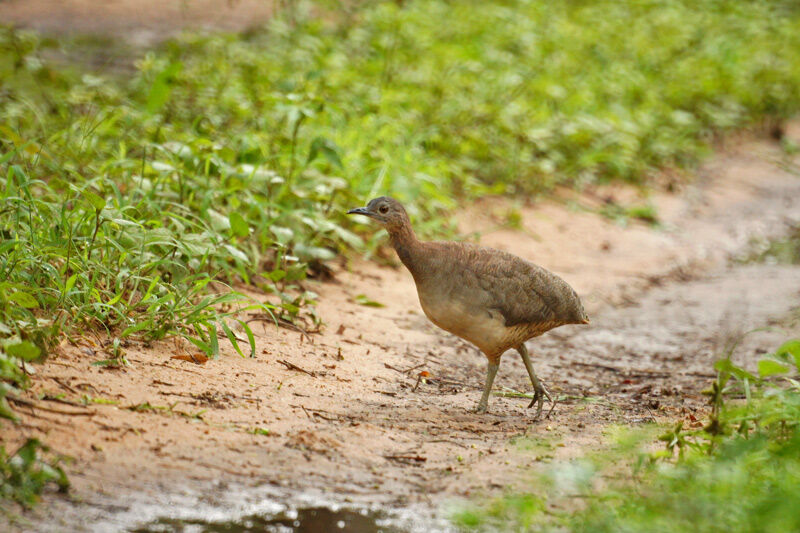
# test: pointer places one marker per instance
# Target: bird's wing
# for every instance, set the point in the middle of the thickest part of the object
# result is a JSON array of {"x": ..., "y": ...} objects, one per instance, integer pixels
[{"x": 524, "y": 293}]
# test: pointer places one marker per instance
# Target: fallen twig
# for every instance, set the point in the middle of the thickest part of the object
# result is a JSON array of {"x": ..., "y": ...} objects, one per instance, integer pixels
[
  {"x": 209, "y": 396},
  {"x": 48, "y": 409},
  {"x": 597, "y": 365},
  {"x": 510, "y": 393},
  {"x": 317, "y": 412},
  {"x": 175, "y": 368},
  {"x": 282, "y": 322},
  {"x": 404, "y": 458},
  {"x": 65, "y": 385},
  {"x": 390, "y": 367},
  {"x": 292, "y": 366},
  {"x": 49, "y": 398},
  {"x": 448, "y": 441},
  {"x": 419, "y": 380}
]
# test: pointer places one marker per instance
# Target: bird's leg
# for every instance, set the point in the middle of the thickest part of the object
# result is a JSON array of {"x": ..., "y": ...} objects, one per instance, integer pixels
[
  {"x": 491, "y": 372},
  {"x": 539, "y": 392}
]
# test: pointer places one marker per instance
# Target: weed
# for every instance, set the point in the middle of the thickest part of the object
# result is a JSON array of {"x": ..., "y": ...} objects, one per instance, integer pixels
[
  {"x": 738, "y": 473},
  {"x": 25, "y": 473},
  {"x": 785, "y": 250}
]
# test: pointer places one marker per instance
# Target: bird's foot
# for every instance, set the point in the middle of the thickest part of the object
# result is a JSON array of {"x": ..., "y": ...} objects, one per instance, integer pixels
[
  {"x": 481, "y": 409},
  {"x": 539, "y": 394}
]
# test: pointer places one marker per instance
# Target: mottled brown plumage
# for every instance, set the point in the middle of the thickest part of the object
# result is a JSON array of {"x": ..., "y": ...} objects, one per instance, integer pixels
[{"x": 490, "y": 298}]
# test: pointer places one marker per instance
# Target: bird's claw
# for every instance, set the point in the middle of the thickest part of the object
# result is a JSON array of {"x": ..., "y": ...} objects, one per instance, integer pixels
[
  {"x": 534, "y": 400},
  {"x": 538, "y": 398}
]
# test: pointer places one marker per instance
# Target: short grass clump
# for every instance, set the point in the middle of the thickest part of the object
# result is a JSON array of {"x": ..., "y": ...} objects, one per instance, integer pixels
[
  {"x": 27, "y": 471},
  {"x": 784, "y": 250},
  {"x": 740, "y": 472}
]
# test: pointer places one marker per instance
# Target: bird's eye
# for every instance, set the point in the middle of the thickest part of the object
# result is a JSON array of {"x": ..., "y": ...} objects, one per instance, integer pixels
[{"x": 383, "y": 209}]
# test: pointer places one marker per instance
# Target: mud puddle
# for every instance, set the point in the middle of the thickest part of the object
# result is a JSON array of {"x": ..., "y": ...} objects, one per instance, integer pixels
[{"x": 305, "y": 520}]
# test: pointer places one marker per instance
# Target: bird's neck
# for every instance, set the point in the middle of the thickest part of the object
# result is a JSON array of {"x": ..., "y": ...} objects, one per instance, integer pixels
[{"x": 407, "y": 246}]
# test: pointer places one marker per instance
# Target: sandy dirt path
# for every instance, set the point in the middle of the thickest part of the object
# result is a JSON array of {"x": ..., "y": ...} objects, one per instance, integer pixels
[
  {"x": 141, "y": 22},
  {"x": 175, "y": 438}
]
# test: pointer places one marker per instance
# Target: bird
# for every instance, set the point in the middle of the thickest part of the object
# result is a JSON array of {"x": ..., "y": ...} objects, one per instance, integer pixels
[{"x": 488, "y": 297}]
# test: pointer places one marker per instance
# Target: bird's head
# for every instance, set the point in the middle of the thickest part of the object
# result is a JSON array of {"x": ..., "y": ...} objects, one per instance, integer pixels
[{"x": 388, "y": 212}]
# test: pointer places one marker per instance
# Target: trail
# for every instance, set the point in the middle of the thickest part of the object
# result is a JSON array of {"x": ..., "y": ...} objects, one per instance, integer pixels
[
  {"x": 356, "y": 425},
  {"x": 136, "y": 22}
]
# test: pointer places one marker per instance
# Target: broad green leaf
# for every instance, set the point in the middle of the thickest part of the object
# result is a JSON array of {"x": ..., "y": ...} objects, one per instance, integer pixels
[
  {"x": 238, "y": 224},
  {"x": 162, "y": 87},
  {"x": 348, "y": 236},
  {"x": 363, "y": 299},
  {"x": 160, "y": 166},
  {"x": 205, "y": 348},
  {"x": 25, "y": 350},
  {"x": 24, "y": 299},
  {"x": 5, "y": 409},
  {"x": 231, "y": 337},
  {"x": 236, "y": 253},
  {"x": 115, "y": 299},
  {"x": 327, "y": 148},
  {"x": 768, "y": 367},
  {"x": 213, "y": 340},
  {"x": 219, "y": 221},
  {"x": 250, "y": 337},
  {"x": 725, "y": 365},
  {"x": 275, "y": 275},
  {"x": 95, "y": 200},
  {"x": 283, "y": 235},
  {"x": 307, "y": 253},
  {"x": 135, "y": 329},
  {"x": 125, "y": 223},
  {"x": 290, "y": 307},
  {"x": 70, "y": 283},
  {"x": 790, "y": 348}
]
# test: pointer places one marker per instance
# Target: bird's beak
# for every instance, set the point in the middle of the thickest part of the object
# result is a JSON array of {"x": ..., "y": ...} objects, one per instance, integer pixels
[{"x": 359, "y": 211}]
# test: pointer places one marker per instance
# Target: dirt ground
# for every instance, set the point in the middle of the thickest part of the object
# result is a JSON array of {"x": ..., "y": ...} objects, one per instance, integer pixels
[
  {"x": 137, "y": 21},
  {"x": 348, "y": 422}
]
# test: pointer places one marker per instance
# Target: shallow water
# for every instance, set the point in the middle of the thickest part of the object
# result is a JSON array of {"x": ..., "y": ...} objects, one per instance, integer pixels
[{"x": 307, "y": 520}]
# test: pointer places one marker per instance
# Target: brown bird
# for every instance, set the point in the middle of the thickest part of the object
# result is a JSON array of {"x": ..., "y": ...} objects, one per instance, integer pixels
[{"x": 488, "y": 297}]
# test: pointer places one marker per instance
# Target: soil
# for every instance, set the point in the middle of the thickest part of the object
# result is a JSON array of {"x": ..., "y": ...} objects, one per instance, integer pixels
[
  {"x": 344, "y": 415},
  {"x": 139, "y": 22}
]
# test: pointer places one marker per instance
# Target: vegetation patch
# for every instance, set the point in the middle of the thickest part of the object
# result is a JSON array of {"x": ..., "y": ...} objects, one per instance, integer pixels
[
  {"x": 739, "y": 472},
  {"x": 26, "y": 472},
  {"x": 785, "y": 250}
]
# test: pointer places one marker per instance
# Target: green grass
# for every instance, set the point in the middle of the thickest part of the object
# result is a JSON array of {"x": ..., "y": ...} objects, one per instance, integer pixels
[
  {"x": 132, "y": 200},
  {"x": 27, "y": 471},
  {"x": 740, "y": 472},
  {"x": 785, "y": 250}
]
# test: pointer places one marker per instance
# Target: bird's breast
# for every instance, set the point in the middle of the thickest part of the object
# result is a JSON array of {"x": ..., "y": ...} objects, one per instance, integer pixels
[{"x": 483, "y": 328}]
